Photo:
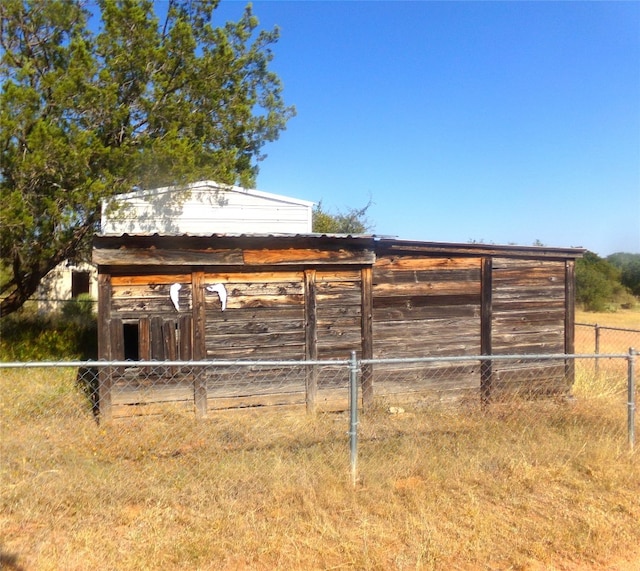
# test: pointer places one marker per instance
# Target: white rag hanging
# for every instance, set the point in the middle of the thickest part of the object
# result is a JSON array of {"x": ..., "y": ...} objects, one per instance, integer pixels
[
  {"x": 173, "y": 294},
  {"x": 221, "y": 291}
]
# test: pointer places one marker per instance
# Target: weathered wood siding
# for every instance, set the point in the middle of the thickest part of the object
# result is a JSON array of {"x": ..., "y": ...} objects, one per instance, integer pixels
[
  {"x": 338, "y": 309},
  {"x": 528, "y": 317},
  {"x": 422, "y": 307},
  {"x": 144, "y": 300},
  {"x": 309, "y": 298},
  {"x": 264, "y": 318},
  {"x": 426, "y": 307}
]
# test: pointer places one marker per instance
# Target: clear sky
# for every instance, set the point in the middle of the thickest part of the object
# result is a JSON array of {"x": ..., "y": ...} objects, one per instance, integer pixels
[{"x": 502, "y": 122}]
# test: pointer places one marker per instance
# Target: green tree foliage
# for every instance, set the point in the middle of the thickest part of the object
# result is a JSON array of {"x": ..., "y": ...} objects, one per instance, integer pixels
[
  {"x": 137, "y": 101},
  {"x": 598, "y": 284},
  {"x": 629, "y": 266},
  {"x": 352, "y": 221}
]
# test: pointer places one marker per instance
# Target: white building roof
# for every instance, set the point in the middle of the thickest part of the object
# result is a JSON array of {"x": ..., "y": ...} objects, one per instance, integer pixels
[{"x": 206, "y": 208}]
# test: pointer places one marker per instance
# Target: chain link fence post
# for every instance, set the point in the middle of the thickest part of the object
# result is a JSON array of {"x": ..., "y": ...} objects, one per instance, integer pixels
[
  {"x": 597, "y": 347},
  {"x": 631, "y": 413},
  {"x": 353, "y": 416}
]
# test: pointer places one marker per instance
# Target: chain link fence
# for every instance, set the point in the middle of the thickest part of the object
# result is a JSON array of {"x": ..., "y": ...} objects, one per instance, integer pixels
[
  {"x": 102, "y": 398},
  {"x": 597, "y": 339},
  {"x": 209, "y": 443}
]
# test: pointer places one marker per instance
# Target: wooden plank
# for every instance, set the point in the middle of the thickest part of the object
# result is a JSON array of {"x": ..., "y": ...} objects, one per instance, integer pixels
[
  {"x": 334, "y": 286},
  {"x": 142, "y": 279},
  {"x": 450, "y": 348},
  {"x": 283, "y": 301},
  {"x": 250, "y": 329},
  {"x": 199, "y": 342},
  {"x": 254, "y": 379},
  {"x": 426, "y": 276},
  {"x": 185, "y": 329},
  {"x": 424, "y": 300},
  {"x": 104, "y": 316},
  {"x": 281, "y": 288},
  {"x": 417, "y": 378},
  {"x": 148, "y": 290},
  {"x": 311, "y": 338},
  {"x": 255, "y": 401},
  {"x": 117, "y": 339},
  {"x": 409, "y": 312},
  {"x": 342, "y": 298},
  {"x": 246, "y": 318},
  {"x": 427, "y": 331},
  {"x": 515, "y": 305},
  {"x": 341, "y": 323},
  {"x": 339, "y": 275},
  {"x": 518, "y": 292},
  {"x": 294, "y": 351},
  {"x": 260, "y": 277},
  {"x": 427, "y": 288},
  {"x": 521, "y": 328},
  {"x": 526, "y": 347},
  {"x": 157, "y": 339},
  {"x": 535, "y": 277},
  {"x": 170, "y": 340},
  {"x": 166, "y": 257},
  {"x": 144, "y": 339},
  {"x": 398, "y": 262},
  {"x": 570, "y": 318},
  {"x": 104, "y": 346},
  {"x": 532, "y": 317},
  {"x": 222, "y": 343},
  {"x": 308, "y": 256},
  {"x": 332, "y": 314},
  {"x": 500, "y": 263}
]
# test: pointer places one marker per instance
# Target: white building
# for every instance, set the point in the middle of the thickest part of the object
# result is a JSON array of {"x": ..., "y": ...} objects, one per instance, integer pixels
[{"x": 205, "y": 208}]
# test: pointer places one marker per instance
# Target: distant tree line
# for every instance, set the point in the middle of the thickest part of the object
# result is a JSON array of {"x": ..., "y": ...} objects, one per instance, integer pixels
[{"x": 607, "y": 283}]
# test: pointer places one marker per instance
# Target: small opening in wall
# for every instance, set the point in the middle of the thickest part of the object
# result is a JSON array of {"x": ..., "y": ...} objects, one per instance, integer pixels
[
  {"x": 79, "y": 283},
  {"x": 131, "y": 334}
]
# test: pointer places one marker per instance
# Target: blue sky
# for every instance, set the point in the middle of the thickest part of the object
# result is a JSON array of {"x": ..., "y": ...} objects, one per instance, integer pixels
[{"x": 505, "y": 122}]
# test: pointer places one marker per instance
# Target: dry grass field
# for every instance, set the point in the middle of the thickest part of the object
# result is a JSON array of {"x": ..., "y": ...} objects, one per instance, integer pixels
[
  {"x": 543, "y": 486},
  {"x": 611, "y": 341}
]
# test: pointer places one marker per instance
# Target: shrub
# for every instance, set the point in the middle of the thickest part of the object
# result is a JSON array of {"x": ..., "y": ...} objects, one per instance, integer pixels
[{"x": 31, "y": 337}]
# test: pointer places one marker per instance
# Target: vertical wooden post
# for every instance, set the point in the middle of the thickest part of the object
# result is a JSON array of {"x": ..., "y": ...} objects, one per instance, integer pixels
[
  {"x": 199, "y": 343},
  {"x": 366, "y": 277},
  {"x": 569, "y": 320},
  {"x": 144, "y": 343},
  {"x": 144, "y": 339},
  {"x": 311, "y": 338},
  {"x": 486, "y": 314},
  {"x": 104, "y": 346},
  {"x": 157, "y": 341}
]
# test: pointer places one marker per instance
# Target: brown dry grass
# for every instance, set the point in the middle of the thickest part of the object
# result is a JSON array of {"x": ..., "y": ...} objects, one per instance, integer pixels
[{"x": 543, "y": 487}]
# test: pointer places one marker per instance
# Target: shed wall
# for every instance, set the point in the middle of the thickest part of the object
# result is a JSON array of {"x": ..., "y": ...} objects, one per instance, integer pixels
[
  {"x": 529, "y": 317},
  {"x": 294, "y": 303}
]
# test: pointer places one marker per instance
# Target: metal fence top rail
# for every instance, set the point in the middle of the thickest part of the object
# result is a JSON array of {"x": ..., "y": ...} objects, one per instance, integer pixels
[
  {"x": 334, "y": 362},
  {"x": 608, "y": 327},
  {"x": 139, "y": 364}
]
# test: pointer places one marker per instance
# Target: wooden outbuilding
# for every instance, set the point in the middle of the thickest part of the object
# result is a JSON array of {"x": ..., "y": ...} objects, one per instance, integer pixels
[{"x": 310, "y": 297}]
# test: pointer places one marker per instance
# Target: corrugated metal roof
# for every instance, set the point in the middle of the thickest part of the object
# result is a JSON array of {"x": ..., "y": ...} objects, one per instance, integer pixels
[{"x": 382, "y": 242}]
